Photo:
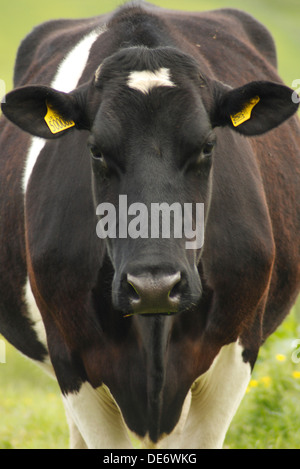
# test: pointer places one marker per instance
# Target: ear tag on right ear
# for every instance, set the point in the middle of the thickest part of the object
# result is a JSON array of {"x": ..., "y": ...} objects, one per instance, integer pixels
[
  {"x": 245, "y": 113},
  {"x": 55, "y": 121}
]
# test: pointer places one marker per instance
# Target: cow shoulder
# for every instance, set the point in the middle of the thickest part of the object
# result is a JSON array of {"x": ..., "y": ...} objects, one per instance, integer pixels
[
  {"x": 44, "y": 48},
  {"x": 256, "y": 32}
]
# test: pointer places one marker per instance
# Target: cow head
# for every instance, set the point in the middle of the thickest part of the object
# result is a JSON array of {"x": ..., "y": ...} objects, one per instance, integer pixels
[{"x": 151, "y": 116}]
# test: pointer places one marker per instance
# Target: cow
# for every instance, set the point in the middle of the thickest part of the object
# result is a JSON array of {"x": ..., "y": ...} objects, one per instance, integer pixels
[{"x": 144, "y": 334}]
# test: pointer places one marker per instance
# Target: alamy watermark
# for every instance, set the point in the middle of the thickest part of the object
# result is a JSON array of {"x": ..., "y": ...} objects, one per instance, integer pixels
[{"x": 161, "y": 221}]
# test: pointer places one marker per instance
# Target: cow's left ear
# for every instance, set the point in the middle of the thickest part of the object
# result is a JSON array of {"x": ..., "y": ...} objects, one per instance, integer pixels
[
  {"x": 43, "y": 111},
  {"x": 252, "y": 109}
]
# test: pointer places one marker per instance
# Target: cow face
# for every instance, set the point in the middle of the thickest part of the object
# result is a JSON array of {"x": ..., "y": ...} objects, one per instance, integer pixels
[
  {"x": 152, "y": 145},
  {"x": 151, "y": 117}
]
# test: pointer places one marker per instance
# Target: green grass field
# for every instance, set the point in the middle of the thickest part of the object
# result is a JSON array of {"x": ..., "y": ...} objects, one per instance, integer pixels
[{"x": 31, "y": 412}]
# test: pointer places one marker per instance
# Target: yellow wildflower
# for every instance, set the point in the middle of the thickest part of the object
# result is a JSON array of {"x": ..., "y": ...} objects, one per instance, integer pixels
[
  {"x": 296, "y": 374},
  {"x": 281, "y": 358},
  {"x": 266, "y": 380},
  {"x": 253, "y": 383}
]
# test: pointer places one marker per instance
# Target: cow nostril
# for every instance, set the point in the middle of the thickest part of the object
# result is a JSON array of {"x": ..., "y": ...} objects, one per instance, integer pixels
[
  {"x": 175, "y": 291},
  {"x": 133, "y": 294}
]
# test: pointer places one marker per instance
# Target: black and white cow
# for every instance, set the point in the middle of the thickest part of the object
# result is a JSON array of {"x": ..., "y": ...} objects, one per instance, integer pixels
[{"x": 163, "y": 107}]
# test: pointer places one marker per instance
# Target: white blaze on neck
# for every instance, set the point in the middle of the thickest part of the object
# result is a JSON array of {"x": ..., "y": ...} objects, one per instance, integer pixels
[
  {"x": 145, "y": 80},
  {"x": 66, "y": 79},
  {"x": 71, "y": 68}
]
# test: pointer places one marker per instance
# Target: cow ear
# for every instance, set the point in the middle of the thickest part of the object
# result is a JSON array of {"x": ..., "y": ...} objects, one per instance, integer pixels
[
  {"x": 43, "y": 111},
  {"x": 252, "y": 109}
]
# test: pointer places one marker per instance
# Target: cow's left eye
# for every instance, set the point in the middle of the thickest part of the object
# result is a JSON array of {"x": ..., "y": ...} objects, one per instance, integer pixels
[
  {"x": 200, "y": 160},
  {"x": 207, "y": 149},
  {"x": 204, "y": 155}
]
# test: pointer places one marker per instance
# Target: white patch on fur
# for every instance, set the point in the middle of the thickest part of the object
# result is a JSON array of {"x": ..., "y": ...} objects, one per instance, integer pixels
[
  {"x": 97, "y": 418},
  {"x": 215, "y": 398},
  {"x": 66, "y": 79},
  {"x": 71, "y": 68},
  {"x": 145, "y": 80},
  {"x": 34, "y": 315},
  {"x": 36, "y": 146}
]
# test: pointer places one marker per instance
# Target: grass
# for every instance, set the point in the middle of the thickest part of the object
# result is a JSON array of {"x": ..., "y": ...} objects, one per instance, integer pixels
[
  {"x": 31, "y": 412},
  {"x": 268, "y": 417}
]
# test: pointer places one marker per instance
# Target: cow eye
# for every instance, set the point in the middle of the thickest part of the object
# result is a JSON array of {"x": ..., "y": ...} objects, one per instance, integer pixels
[
  {"x": 207, "y": 148},
  {"x": 204, "y": 156},
  {"x": 99, "y": 156},
  {"x": 201, "y": 160}
]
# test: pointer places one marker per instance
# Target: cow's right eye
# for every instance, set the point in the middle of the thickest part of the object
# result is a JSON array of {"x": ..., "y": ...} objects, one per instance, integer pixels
[{"x": 99, "y": 156}]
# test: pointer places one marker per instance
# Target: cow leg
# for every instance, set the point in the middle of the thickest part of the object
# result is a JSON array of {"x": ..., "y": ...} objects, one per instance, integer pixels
[
  {"x": 216, "y": 396},
  {"x": 97, "y": 418},
  {"x": 76, "y": 440}
]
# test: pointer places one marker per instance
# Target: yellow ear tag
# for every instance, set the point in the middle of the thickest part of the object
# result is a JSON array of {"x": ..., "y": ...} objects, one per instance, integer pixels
[
  {"x": 55, "y": 122},
  {"x": 245, "y": 113}
]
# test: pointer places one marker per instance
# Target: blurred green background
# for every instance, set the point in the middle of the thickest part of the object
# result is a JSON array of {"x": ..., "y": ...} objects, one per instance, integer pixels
[
  {"x": 18, "y": 17},
  {"x": 31, "y": 413}
]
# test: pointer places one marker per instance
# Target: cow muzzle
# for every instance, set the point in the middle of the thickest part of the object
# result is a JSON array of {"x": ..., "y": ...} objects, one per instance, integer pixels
[
  {"x": 153, "y": 291},
  {"x": 149, "y": 294}
]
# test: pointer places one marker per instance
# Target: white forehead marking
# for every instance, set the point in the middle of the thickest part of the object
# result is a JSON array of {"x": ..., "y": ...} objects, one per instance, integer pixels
[{"x": 145, "y": 80}]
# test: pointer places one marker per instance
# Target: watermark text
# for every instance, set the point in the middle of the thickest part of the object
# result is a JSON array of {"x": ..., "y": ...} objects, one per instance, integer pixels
[{"x": 160, "y": 221}]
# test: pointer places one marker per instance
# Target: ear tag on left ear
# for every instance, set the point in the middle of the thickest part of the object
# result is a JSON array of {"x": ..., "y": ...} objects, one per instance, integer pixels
[
  {"x": 245, "y": 113},
  {"x": 55, "y": 121}
]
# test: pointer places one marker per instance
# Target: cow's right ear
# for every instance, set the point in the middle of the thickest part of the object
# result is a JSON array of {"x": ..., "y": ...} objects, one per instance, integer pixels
[{"x": 43, "y": 111}]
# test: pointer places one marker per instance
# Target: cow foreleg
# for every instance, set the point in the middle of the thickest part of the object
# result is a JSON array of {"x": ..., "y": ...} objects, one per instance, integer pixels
[
  {"x": 97, "y": 418},
  {"x": 215, "y": 397},
  {"x": 76, "y": 440}
]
